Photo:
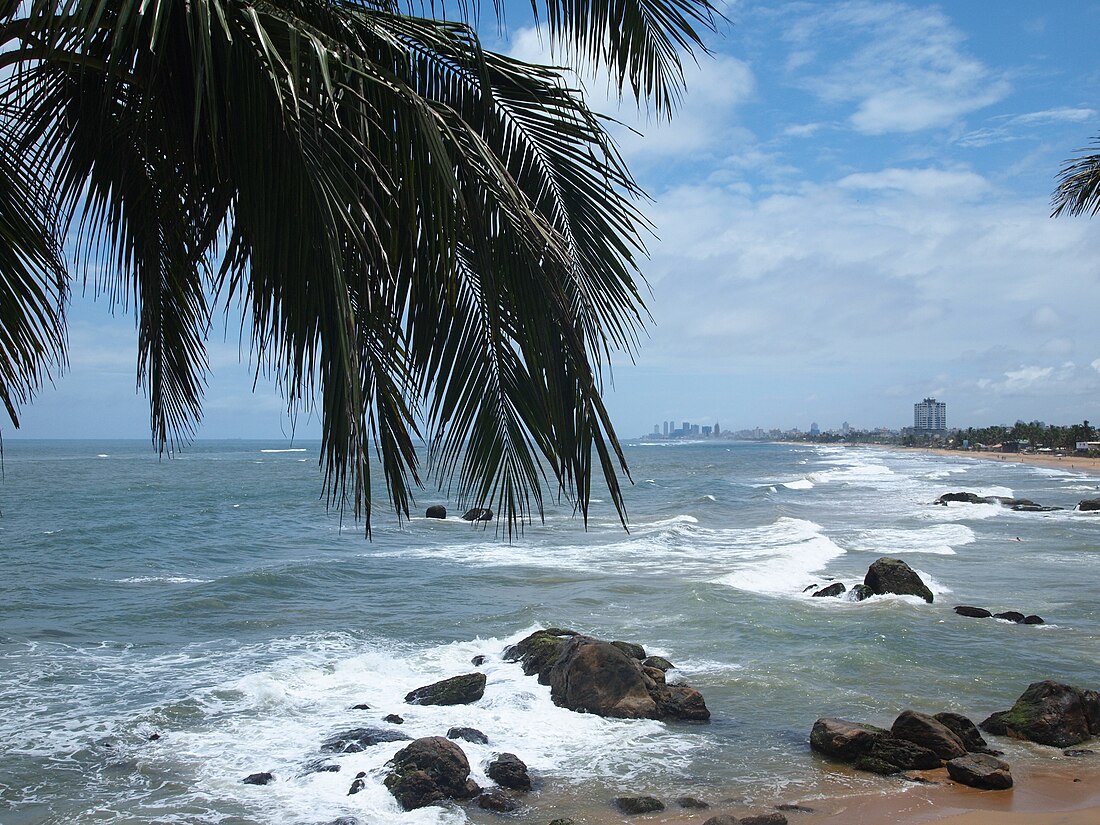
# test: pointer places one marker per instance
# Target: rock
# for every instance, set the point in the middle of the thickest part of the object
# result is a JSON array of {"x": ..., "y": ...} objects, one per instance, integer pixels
[
  {"x": 1089, "y": 504},
  {"x": 1078, "y": 752},
  {"x": 859, "y": 593},
  {"x": 659, "y": 662},
  {"x": 1049, "y": 713},
  {"x": 539, "y": 651},
  {"x": 430, "y": 770},
  {"x": 393, "y": 719},
  {"x": 262, "y": 778},
  {"x": 898, "y": 755},
  {"x": 361, "y": 706},
  {"x": 834, "y": 589},
  {"x": 345, "y": 820},
  {"x": 764, "y": 819},
  {"x": 359, "y": 739},
  {"x": 844, "y": 740},
  {"x": 152, "y": 737},
  {"x": 980, "y": 770},
  {"x": 436, "y": 511},
  {"x": 966, "y": 498},
  {"x": 478, "y": 660},
  {"x": 1010, "y": 616},
  {"x": 632, "y": 650},
  {"x": 1033, "y": 619},
  {"x": 358, "y": 784},
  {"x": 973, "y": 612},
  {"x": 562, "y": 821},
  {"x": 468, "y": 735},
  {"x": 509, "y": 771},
  {"x": 965, "y": 729},
  {"x": 478, "y": 514},
  {"x": 320, "y": 766},
  {"x": 799, "y": 809},
  {"x": 928, "y": 732},
  {"x": 639, "y": 804},
  {"x": 691, "y": 803},
  {"x": 681, "y": 702},
  {"x": 887, "y": 575},
  {"x": 458, "y": 690},
  {"x": 497, "y": 800},
  {"x": 721, "y": 819},
  {"x": 593, "y": 676}
]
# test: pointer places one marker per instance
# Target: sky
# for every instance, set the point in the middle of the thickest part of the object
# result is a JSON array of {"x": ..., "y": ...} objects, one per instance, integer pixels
[{"x": 852, "y": 213}]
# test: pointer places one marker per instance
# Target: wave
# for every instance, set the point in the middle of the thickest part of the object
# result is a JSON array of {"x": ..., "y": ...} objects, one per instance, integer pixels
[
  {"x": 288, "y": 450},
  {"x": 162, "y": 580},
  {"x": 779, "y": 559},
  {"x": 801, "y": 484}
]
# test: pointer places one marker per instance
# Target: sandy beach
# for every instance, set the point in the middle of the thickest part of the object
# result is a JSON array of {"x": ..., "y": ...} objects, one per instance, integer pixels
[{"x": 1079, "y": 464}]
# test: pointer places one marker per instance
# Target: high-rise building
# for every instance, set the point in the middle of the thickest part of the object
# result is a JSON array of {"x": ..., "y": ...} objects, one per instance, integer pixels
[
  {"x": 717, "y": 432},
  {"x": 814, "y": 429},
  {"x": 666, "y": 428},
  {"x": 930, "y": 414}
]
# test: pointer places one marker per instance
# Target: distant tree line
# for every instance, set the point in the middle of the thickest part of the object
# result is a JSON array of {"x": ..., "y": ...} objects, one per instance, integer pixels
[{"x": 1023, "y": 435}]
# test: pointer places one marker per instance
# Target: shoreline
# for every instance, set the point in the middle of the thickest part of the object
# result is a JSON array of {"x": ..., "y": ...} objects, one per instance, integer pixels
[{"x": 1075, "y": 464}]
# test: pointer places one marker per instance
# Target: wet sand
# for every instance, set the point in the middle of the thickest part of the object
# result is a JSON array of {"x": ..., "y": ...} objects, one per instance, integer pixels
[{"x": 1077, "y": 464}]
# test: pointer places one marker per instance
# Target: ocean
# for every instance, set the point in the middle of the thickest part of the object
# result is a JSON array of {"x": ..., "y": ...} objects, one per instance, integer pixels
[{"x": 168, "y": 627}]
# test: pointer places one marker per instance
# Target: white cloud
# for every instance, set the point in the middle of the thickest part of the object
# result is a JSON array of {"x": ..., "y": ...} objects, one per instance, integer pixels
[
  {"x": 925, "y": 183},
  {"x": 1015, "y": 127}
]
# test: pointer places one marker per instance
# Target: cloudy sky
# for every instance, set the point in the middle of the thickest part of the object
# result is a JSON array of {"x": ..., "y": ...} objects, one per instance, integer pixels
[{"x": 852, "y": 207}]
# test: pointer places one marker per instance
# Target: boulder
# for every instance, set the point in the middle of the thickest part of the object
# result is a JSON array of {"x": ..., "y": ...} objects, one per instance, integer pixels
[
  {"x": 478, "y": 514},
  {"x": 973, "y": 612},
  {"x": 764, "y": 819},
  {"x": 430, "y": 770},
  {"x": 639, "y": 804},
  {"x": 966, "y": 498},
  {"x": 468, "y": 735},
  {"x": 721, "y": 819},
  {"x": 1077, "y": 753},
  {"x": 859, "y": 593},
  {"x": 509, "y": 771},
  {"x": 1089, "y": 504},
  {"x": 980, "y": 770},
  {"x": 393, "y": 719},
  {"x": 458, "y": 690},
  {"x": 538, "y": 652},
  {"x": 965, "y": 729},
  {"x": 928, "y": 732},
  {"x": 262, "y": 778},
  {"x": 358, "y": 783},
  {"x": 632, "y": 650},
  {"x": 890, "y": 755},
  {"x": 1010, "y": 616},
  {"x": 594, "y": 676},
  {"x": 478, "y": 660},
  {"x": 888, "y": 575},
  {"x": 691, "y": 803},
  {"x": 359, "y": 739},
  {"x": 436, "y": 511},
  {"x": 1049, "y": 713},
  {"x": 681, "y": 702},
  {"x": 1033, "y": 619},
  {"x": 659, "y": 662},
  {"x": 844, "y": 740},
  {"x": 834, "y": 589},
  {"x": 497, "y": 800}
]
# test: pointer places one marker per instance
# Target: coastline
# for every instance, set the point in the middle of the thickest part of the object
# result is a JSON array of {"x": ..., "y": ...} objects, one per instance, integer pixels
[{"x": 1075, "y": 464}]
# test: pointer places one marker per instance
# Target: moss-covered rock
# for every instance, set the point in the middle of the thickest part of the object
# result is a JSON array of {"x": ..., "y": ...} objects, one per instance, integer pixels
[
  {"x": 458, "y": 690},
  {"x": 1050, "y": 713},
  {"x": 538, "y": 652}
]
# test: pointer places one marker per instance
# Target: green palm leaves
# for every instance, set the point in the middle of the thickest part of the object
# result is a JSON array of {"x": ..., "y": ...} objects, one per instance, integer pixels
[
  {"x": 430, "y": 240},
  {"x": 1078, "y": 191}
]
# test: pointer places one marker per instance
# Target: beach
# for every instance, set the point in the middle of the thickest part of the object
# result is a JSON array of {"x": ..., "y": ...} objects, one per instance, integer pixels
[
  {"x": 1073, "y": 463},
  {"x": 168, "y": 629}
]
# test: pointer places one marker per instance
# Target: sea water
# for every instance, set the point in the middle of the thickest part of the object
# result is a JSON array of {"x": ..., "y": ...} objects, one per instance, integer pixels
[{"x": 168, "y": 627}]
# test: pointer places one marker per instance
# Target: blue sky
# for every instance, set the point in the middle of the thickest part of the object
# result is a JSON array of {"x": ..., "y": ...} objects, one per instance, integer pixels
[{"x": 852, "y": 209}]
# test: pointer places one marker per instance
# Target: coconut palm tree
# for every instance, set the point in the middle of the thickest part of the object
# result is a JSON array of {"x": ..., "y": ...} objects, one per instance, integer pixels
[
  {"x": 1078, "y": 191},
  {"x": 425, "y": 239}
]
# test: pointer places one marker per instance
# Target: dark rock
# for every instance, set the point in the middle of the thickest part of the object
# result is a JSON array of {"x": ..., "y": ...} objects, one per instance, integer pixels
[
  {"x": 436, "y": 511},
  {"x": 980, "y": 770},
  {"x": 900, "y": 755},
  {"x": 509, "y": 771},
  {"x": 1078, "y": 752},
  {"x": 682, "y": 702},
  {"x": 478, "y": 660},
  {"x": 359, "y": 783},
  {"x": 497, "y": 800},
  {"x": 844, "y": 740},
  {"x": 834, "y": 589},
  {"x": 430, "y": 770},
  {"x": 721, "y": 819},
  {"x": 562, "y": 821},
  {"x": 798, "y": 809},
  {"x": 887, "y": 575},
  {"x": 361, "y": 706},
  {"x": 320, "y": 766},
  {"x": 393, "y": 719},
  {"x": 478, "y": 514},
  {"x": 764, "y": 819},
  {"x": 1049, "y": 713},
  {"x": 458, "y": 690},
  {"x": 345, "y": 820},
  {"x": 691, "y": 803},
  {"x": 928, "y": 732},
  {"x": 359, "y": 739},
  {"x": 262, "y": 778},
  {"x": 1010, "y": 616},
  {"x": 539, "y": 651},
  {"x": 965, "y": 729},
  {"x": 809, "y": 587},
  {"x": 152, "y": 737},
  {"x": 859, "y": 593},
  {"x": 659, "y": 662},
  {"x": 966, "y": 498},
  {"x": 632, "y": 650},
  {"x": 468, "y": 735},
  {"x": 1033, "y": 619},
  {"x": 973, "y": 612},
  {"x": 639, "y": 804},
  {"x": 593, "y": 676},
  {"x": 1089, "y": 504}
]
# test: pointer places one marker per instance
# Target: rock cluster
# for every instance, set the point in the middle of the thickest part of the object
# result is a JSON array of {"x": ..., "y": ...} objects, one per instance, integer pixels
[
  {"x": 614, "y": 679},
  {"x": 1024, "y": 505},
  {"x": 885, "y": 575},
  {"x": 1008, "y": 615}
]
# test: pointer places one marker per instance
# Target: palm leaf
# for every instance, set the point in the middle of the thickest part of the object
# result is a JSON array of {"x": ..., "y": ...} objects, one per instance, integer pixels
[{"x": 1078, "y": 189}]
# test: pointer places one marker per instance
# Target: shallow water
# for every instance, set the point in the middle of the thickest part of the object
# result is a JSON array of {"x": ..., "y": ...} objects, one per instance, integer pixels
[{"x": 212, "y": 601}]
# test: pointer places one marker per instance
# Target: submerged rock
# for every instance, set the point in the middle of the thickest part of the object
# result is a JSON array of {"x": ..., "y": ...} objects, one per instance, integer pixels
[
  {"x": 691, "y": 803},
  {"x": 1050, "y": 713},
  {"x": 436, "y": 511},
  {"x": 359, "y": 739},
  {"x": 478, "y": 514},
  {"x": 639, "y": 804},
  {"x": 468, "y": 735},
  {"x": 765, "y": 819},
  {"x": 980, "y": 770},
  {"x": 497, "y": 800},
  {"x": 844, "y": 740},
  {"x": 973, "y": 612},
  {"x": 458, "y": 690},
  {"x": 1010, "y": 616},
  {"x": 262, "y": 778},
  {"x": 889, "y": 575},
  {"x": 834, "y": 589},
  {"x": 859, "y": 593}
]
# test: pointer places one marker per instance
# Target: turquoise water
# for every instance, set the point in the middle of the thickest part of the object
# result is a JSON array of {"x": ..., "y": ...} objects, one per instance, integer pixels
[{"x": 211, "y": 601}]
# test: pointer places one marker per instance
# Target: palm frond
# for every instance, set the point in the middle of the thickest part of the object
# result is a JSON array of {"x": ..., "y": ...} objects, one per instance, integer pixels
[{"x": 1078, "y": 191}]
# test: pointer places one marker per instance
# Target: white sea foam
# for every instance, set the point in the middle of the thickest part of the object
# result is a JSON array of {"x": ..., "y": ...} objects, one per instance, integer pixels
[
  {"x": 779, "y": 558},
  {"x": 162, "y": 580},
  {"x": 941, "y": 539},
  {"x": 288, "y": 450},
  {"x": 801, "y": 484}
]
